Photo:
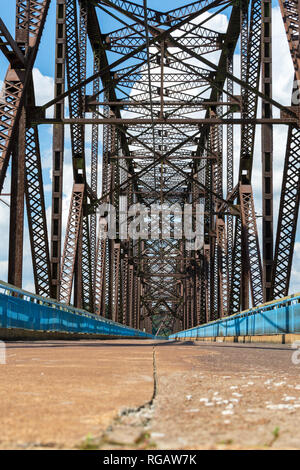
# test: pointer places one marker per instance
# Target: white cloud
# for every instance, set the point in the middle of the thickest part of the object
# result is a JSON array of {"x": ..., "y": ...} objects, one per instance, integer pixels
[
  {"x": 44, "y": 89},
  {"x": 283, "y": 72}
]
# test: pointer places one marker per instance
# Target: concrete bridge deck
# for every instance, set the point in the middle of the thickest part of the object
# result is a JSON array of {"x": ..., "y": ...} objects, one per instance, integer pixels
[{"x": 146, "y": 395}]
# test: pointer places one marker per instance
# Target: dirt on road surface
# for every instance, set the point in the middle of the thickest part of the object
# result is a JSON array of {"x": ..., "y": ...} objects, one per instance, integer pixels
[{"x": 149, "y": 395}]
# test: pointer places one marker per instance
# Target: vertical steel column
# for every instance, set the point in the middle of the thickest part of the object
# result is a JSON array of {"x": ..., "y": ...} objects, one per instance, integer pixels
[
  {"x": 191, "y": 298},
  {"x": 17, "y": 192},
  {"x": 250, "y": 72},
  {"x": 211, "y": 233},
  {"x": 138, "y": 307},
  {"x": 189, "y": 303},
  {"x": 287, "y": 217},
  {"x": 243, "y": 277},
  {"x": 16, "y": 225},
  {"x": 135, "y": 300},
  {"x": 115, "y": 280},
  {"x": 185, "y": 305},
  {"x": 83, "y": 284},
  {"x": 75, "y": 70},
  {"x": 10, "y": 110},
  {"x": 237, "y": 261},
  {"x": 36, "y": 213},
  {"x": 87, "y": 275},
  {"x": 100, "y": 277},
  {"x": 130, "y": 295},
  {"x": 58, "y": 150},
  {"x": 104, "y": 275},
  {"x": 78, "y": 265},
  {"x": 197, "y": 297},
  {"x": 113, "y": 246},
  {"x": 230, "y": 171},
  {"x": 290, "y": 191},
  {"x": 222, "y": 267},
  {"x": 71, "y": 242},
  {"x": 30, "y": 20},
  {"x": 206, "y": 281},
  {"x": 94, "y": 172},
  {"x": 267, "y": 150},
  {"x": 125, "y": 267},
  {"x": 251, "y": 244}
]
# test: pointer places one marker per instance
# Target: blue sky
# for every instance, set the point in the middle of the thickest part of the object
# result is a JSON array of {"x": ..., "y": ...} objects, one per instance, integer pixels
[{"x": 43, "y": 74}]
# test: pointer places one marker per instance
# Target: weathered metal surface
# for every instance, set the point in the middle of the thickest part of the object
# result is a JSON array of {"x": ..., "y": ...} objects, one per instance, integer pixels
[{"x": 168, "y": 115}]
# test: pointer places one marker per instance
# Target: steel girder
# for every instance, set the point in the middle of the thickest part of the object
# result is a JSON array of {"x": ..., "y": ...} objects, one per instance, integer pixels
[
  {"x": 71, "y": 242},
  {"x": 289, "y": 201},
  {"x": 267, "y": 153},
  {"x": 30, "y": 21},
  {"x": 17, "y": 138},
  {"x": 58, "y": 149},
  {"x": 163, "y": 105}
]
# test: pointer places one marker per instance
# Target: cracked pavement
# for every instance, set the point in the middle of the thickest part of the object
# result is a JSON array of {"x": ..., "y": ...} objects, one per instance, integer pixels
[{"x": 149, "y": 395}]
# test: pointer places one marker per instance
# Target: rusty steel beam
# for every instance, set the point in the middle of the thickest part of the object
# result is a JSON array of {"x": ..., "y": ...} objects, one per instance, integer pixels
[
  {"x": 168, "y": 112},
  {"x": 26, "y": 165},
  {"x": 58, "y": 150},
  {"x": 289, "y": 200},
  {"x": 17, "y": 191},
  {"x": 71, "y": 242},
  {"x": 36, "y": 213},
  {"x": 9, "y": 47},
  {"x": 30, "y": 21},
  {"x": 287, "y": 217},
  {"x": 251, "y": 244},
  {"x": 267, "y": 151},
  {"x": 171, "y": 121}
]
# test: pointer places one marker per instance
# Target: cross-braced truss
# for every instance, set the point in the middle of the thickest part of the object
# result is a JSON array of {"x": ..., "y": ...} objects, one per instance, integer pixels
[{"x": 163, "y": 90}]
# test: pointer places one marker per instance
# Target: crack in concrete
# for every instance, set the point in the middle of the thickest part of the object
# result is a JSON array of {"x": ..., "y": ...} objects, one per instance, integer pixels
[
  {"x": 129, "y": 411},
  {"x": 139, "y": 417}
]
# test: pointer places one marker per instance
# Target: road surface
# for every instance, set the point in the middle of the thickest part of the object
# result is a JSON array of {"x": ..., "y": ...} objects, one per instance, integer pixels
[{"x": 149, "y": 395}]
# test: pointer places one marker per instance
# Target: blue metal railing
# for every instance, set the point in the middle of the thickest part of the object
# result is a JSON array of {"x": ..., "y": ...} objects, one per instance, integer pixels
[
  {"x": 21, "y": 309},
  {"x": 278, "y": 317}
]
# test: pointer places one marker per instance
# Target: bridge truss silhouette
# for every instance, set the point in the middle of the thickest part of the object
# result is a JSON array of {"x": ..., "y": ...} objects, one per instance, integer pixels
[{"x": 162, "y": 87}]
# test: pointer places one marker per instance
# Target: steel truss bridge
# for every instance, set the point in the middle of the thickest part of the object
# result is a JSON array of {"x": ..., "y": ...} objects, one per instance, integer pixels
[{"x": 162, "y": 87}]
